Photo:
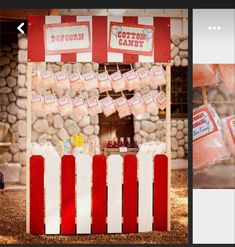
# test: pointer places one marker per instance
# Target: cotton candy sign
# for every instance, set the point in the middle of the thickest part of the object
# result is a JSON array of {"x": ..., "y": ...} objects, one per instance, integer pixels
[
  {"x": 203, "y": 124},
  {"x": 131, "y": 38}
]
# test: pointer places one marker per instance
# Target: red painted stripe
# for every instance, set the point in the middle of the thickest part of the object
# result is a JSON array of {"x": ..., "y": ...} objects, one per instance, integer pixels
[
  {"x": 130, "y": 194},
  {"x": 36, "y": 49},
  {"x": 70, "y": 57},
  {"x": 160, "y": 192},
  {"x": 99, "y": 39},
  {"x": 99, "y": 204},
  {"x": 36, "y": 194},
  {"x": 130, "y": 58},
  {"x": 68, "y": 195},
  {"x": 162, "y": 51}
]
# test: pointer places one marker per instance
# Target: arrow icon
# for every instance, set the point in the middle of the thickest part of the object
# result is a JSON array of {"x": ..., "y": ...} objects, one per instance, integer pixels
[{"x": 20, "y": 26}]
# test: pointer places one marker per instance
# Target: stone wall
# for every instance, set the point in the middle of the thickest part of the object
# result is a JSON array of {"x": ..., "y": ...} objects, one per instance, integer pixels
[
  {"x": 10, "y": 97},
  {"x": 179, "y": 50}
]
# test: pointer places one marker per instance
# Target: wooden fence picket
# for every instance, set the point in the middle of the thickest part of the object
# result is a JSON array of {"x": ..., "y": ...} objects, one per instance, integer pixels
[{"x": 84, "y": 195}]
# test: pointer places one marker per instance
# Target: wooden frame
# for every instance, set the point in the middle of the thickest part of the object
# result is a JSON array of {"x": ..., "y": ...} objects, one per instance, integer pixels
[{"x": 168, "y": 138}]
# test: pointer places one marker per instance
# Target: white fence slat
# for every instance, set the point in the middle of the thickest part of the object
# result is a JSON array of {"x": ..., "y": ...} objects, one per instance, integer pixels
[
  {"x": 51, "y": 19},
  {"x": 114, "y": 56},
  {"x": 114, "y": 179},
  {"x": 146, "y": 20},
  {"x": 85, "y": 56},
  {"x": 52, "y": 194},
  {"x": 145, "y": 173},
  {"x": 84, "y": 177}
]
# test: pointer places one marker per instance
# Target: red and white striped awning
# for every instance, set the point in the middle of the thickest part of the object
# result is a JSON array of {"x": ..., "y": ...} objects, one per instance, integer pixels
[{"x": 99, "y": 33}]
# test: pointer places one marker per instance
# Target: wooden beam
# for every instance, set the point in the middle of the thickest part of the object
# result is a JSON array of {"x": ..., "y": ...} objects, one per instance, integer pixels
[
  {"x": 168, "y": 138},
  {"x": 28, "y": 153}
]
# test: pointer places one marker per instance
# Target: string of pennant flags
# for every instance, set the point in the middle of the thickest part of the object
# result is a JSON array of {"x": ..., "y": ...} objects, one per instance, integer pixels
[{"x": 117, "y": 82}]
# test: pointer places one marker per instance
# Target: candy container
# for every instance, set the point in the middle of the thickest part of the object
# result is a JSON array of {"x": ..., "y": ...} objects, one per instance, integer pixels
[
  {"x": 229, "y": 129},
  {"x": 62, "y": 81},
  {"x": 158, "y": 76},
  {"x": 90, "y": 81},
  {"x": 144, "y": 77},
  {"x": 65, "y": 105},
  {"x": 118, "y": 82},
  {"x": 104, "y": 83},
  {"x": 122, "y": 107},
  {"x": 227, "y": 75},
  {"x": 208, "y": 138},
  {"x": 149, "y": 103},
  {"x": 132, "y": 81},
  {"x": 76, "y": 82},
  {"x": 160, "y": 100},
  {"x": 108, "y": 106},
  {"x": 48, "y": 79},
  {"x": 37, "y": 103},
  {"x": 136, "y": 106},
  {"x": 80, "y": 107},
  {"x": 50, "y": 104},
  {"x": 204, "y": 74},
  {"x": 36, "y": 77},
  {"x": 94, "y": 106}
]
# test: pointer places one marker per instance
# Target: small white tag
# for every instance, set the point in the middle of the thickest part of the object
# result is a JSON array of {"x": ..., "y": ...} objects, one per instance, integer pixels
[
  {"x": 36, "y": 98},
  {"x": 64, "y": 100},
  {"x": 78, "y": 101},
  {"x": 107, "y": 101},
  {"x": 143, "y": 73},
  {"x": 130, "y": 75},
  {"x": 123, "y": 149},
  {"x": 116, "y": 76},
  {"x": 74, "y": 77},
  {"x": 121, "y": 101},
  {"x": 91, "y": 102},
  {"x": 134, "y": 100},
  {"x": 103, "y": 76},
  {"x": 60, "y": 76},
  {"x": 46, "y": 74},
  {"x": 49, "y": 99},
  {"x": 89, "y": 76}
]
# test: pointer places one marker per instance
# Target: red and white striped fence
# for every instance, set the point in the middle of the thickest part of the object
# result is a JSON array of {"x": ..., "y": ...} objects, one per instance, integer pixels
[{"x": 83, "y": 195}]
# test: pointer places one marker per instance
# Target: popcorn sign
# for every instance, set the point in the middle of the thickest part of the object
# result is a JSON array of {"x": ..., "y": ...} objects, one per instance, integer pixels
[
  {"x": 131, "y": 38},
  {"x": 69, "y": 37}
]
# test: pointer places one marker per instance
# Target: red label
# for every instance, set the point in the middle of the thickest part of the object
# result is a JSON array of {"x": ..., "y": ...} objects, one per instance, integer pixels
[
  {"x": 203, "y": 124},
  {"x": 231, "y": 127},
  {"x": 134, "y": 100},
  {"x": 121, "y": 101},
  {"x": 36, "y": 98},
  {"x": 107, "y": 101},
  {"x": 130, "y": 75}
]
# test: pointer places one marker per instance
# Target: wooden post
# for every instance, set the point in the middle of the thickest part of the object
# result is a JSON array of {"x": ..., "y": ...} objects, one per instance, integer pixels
[
  {"x": 204, "y": 96},
  {"x": 168, "y": 138},
  {"x": 29, "y": 96}
]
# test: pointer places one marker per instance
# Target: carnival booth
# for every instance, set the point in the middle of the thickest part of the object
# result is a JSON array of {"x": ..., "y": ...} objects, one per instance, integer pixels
[{"x": 124, "y": 188}]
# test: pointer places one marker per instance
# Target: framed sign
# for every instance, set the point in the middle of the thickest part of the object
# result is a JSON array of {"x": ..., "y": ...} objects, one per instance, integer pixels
[
  {"x": 69, "y": 37},
  {"x": 131, "y": 38},
  {"x": 203, "y": 124}
]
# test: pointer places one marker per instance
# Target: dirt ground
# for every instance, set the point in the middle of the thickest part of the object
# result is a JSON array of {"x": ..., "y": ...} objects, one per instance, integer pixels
[{"x": 12, "y": 221}]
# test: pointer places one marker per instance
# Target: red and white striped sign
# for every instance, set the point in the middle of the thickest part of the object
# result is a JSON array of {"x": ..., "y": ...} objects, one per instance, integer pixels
[
  {"x": 81, "y": 195},
  {"x": 99, "y": 40}
]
